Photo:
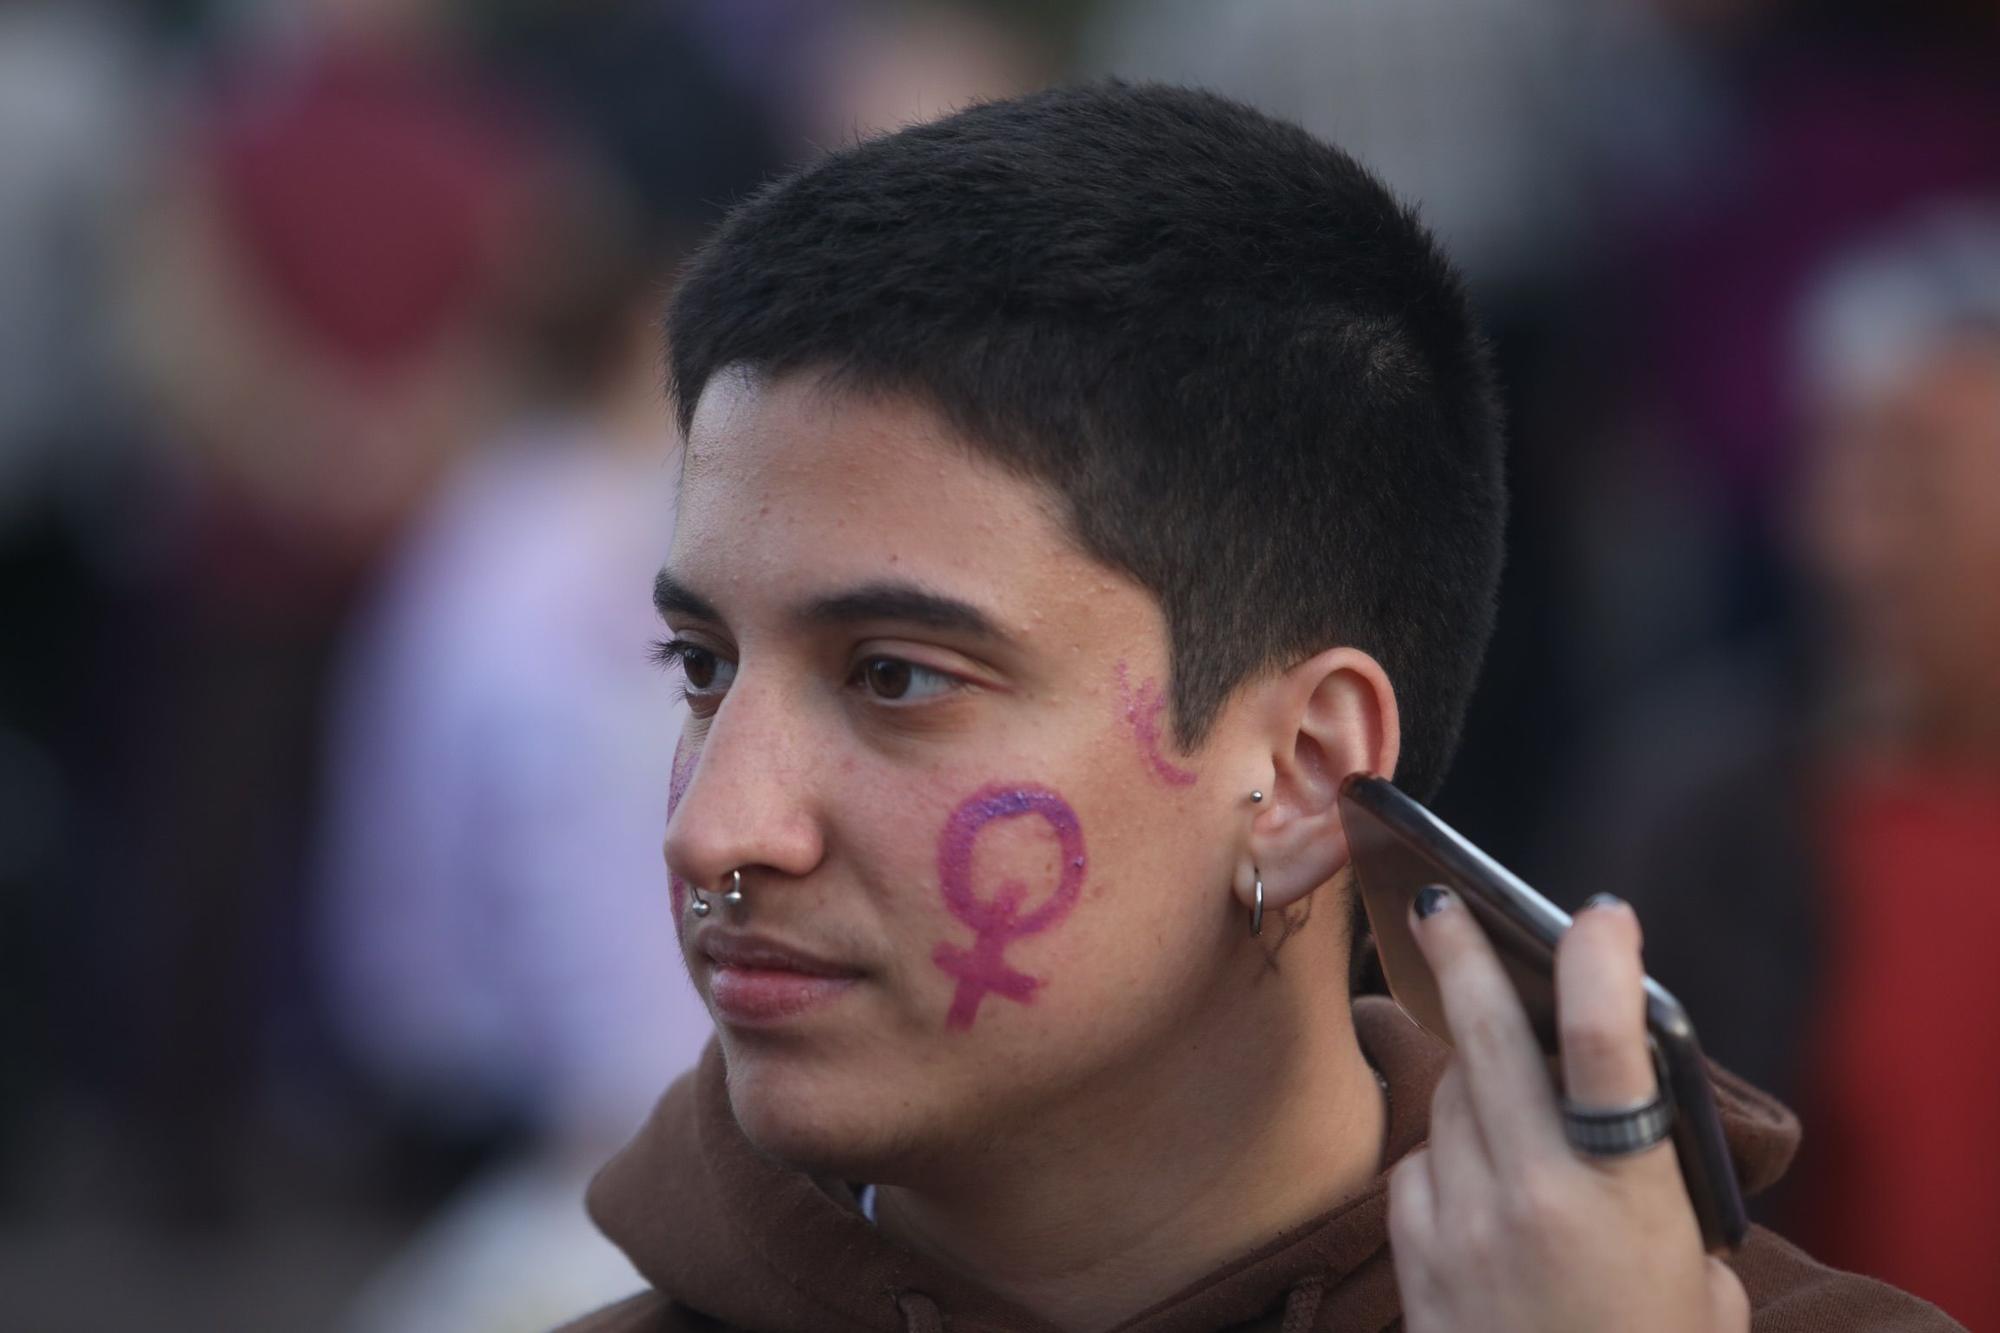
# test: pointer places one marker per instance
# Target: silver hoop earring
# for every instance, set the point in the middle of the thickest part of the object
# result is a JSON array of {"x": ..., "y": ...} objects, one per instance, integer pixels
[
  {"x": 734, "y": 895},
  {"x": 698, "y": 901},
  {"x": 1257, "y": 904}
]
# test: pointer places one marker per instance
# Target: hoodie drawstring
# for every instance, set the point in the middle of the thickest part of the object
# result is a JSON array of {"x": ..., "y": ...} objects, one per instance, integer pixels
[
  {"x": 1302, "y": 1306},
  {"x": 920, "y": 1313}
]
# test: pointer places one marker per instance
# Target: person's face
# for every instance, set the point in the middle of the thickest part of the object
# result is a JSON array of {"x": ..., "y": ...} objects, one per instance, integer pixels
[
  {"x": 1905, "y": 530},
  {"x": 930, "y": 734}
]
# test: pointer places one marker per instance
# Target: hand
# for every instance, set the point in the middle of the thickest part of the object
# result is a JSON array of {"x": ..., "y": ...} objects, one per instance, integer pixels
[{"x": 1498, "y": 1223}]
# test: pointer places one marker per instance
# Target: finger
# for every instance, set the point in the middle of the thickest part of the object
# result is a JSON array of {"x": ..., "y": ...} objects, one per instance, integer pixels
[
  {"x": 1601, "y": 1009},
  {"x": 1413, "y": 1201},
  {"x": 1607, "y": 1062},
  {"x": 1507, "y": 1083},
  {"x": 1413, "y": 1233},
  {"x": 1461, "y": 1163},
  {"x": 1728, "y": 1302}
]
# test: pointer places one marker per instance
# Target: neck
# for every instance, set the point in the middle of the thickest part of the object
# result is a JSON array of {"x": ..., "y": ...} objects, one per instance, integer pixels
[{"x": 1264, "y": 1119}]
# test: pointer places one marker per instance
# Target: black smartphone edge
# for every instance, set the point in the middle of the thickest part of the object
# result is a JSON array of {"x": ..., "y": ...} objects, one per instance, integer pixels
[{"x": 1707, "y": 1168}]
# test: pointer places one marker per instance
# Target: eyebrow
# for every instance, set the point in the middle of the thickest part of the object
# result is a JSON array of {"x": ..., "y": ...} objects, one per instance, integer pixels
[
  {"x": 672, "y": 598},
  {"x": 902, "y": 602},
  {"x": 905, "y": 603}
]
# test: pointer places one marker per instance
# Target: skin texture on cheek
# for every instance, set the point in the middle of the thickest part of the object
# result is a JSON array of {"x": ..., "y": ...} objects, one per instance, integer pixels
[
  {"x": 1144, "y": 708},
  {"x": 998, "y": 921},
  {"x": 677, "y": 785}
]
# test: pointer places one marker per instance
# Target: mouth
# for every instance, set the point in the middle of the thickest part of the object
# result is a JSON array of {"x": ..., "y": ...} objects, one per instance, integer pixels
[{"x": 756, "y": 982}]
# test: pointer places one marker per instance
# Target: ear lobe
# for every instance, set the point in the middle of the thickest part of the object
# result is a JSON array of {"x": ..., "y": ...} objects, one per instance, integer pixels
[{"x": 1336, "y": 715}]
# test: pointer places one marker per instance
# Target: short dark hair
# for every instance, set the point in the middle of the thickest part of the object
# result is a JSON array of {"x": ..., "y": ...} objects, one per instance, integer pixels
[{"x": 1249, "y": 372}]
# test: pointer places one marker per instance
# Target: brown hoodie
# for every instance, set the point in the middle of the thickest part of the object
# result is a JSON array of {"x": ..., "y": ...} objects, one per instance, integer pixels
[{"x": 733, "y": 1241}]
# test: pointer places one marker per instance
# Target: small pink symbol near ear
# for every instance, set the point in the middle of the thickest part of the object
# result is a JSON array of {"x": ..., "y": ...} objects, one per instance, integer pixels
[
  {"x": 1143, "y": 710},
  {"x": 998, "y": 921}
]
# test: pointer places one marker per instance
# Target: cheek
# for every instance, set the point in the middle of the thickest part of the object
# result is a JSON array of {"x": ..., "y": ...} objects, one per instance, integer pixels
[
  {"x": 1013, "y": 909},
  {"x": 1161, "y": 898}
]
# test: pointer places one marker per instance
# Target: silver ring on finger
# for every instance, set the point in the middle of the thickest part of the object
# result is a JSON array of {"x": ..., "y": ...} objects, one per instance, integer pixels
[{"x": 1617, "y": 1132}]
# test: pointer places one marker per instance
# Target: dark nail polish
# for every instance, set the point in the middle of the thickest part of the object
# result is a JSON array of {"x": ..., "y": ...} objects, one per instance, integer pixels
[
  {"x": 1429, "y": 899},
  {"x": 1603, "y": 900}
]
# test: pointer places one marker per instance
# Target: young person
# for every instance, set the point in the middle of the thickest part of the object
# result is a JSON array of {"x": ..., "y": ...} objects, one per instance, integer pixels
[{"x": 1075, "y": 490}]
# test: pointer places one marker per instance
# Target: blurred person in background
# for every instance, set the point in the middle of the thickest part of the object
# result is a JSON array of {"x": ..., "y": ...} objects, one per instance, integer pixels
[
  {"x": 495, "y": 929},
  {"x": 1807, "y": 126},
  {"x": 312, "y": 287},
  {"x": 1820, "y": 123},
  {"x": 1814, "y": 836},
  {"x": 304, "y": 267}
]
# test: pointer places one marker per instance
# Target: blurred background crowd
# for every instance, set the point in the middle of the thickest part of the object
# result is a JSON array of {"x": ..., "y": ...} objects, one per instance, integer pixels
[{"x": 333, "y": 471}]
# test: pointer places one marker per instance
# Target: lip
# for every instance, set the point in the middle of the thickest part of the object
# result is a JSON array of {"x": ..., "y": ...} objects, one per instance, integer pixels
[{"x": 754, "y": 981}]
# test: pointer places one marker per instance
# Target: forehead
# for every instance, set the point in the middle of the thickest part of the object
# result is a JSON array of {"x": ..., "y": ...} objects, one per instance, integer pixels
[{"x": 793, "y": 485}]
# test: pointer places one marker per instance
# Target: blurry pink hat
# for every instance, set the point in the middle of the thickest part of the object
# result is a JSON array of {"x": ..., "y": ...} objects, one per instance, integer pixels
[{"x": 373, "y": 197}]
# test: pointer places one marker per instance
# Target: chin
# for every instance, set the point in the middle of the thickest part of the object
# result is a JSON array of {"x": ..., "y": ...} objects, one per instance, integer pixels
[{"x": 851, "y": 1125}]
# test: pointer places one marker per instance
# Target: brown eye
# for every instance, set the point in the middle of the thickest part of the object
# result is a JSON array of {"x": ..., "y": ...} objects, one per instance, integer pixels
[
  {"x": 698, "y": 665},
  {"x": 887, "y": 677}
]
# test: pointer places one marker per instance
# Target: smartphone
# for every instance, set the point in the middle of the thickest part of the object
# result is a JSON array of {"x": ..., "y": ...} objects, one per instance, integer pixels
[{"x": 1398, "y": 847}]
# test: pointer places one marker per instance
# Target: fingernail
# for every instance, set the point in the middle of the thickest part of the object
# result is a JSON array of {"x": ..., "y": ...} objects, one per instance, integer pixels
[
  {"x": 1598, "y": 900},
  {"x": 1430, "y": 898}
]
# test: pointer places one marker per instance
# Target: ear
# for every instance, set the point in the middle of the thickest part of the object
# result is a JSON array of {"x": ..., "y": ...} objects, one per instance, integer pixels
[{"x": 1331, "y": 715}]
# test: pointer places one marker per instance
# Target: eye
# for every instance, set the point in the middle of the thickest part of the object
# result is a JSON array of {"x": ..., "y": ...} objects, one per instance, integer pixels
[
  {"x": 698, "y": 665},
  {"x": 897, "y": 680},
  {"x": 705, "y": 672}
]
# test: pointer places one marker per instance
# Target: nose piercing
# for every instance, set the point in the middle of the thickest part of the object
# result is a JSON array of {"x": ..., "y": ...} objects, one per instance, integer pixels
[{"x": 701, "y": 905}]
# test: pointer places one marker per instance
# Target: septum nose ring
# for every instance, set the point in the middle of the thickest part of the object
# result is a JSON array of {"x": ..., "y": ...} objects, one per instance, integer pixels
[{"x": 699, "y": 904}]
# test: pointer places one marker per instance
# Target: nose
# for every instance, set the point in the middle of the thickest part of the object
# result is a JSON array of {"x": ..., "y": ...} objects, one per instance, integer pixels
[{"x": 745, "y": 796}]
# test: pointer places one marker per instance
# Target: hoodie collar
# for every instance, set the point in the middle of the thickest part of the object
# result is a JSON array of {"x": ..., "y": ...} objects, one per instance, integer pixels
[{"x": 709, "y": 1220}]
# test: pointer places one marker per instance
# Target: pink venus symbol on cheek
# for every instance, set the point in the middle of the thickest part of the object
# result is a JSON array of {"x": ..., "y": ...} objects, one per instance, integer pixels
[
  {"x": 1143, "y": 711},
  {"x": 998, "y": 921}
]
